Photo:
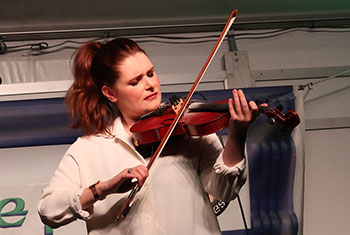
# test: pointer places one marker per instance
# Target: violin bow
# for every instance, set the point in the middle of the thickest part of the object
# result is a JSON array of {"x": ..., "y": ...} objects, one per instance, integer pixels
[{"x": 127, "y": 205}]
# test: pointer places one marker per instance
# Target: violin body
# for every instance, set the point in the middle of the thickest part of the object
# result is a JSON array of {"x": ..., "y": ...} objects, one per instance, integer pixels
[
  {"x": 153, "y": 129},
  {"x": 201, "y": 119}
]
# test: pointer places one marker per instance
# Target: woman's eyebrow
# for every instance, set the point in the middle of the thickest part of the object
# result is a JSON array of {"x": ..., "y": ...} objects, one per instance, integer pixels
[
  {"x": 136, "y": 78},
  {"x": 140, "y": 75}
]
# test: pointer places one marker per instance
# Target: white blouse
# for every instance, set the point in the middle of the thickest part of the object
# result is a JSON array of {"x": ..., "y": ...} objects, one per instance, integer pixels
[{"x": 173, "y": 199}]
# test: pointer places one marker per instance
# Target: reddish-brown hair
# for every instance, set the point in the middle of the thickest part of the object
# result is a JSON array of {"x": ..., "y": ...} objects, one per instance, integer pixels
[{"x": 95, "y": 65}]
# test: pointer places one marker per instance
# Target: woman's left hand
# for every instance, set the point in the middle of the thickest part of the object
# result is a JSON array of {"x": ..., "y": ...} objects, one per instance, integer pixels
[{"x": 242, "y": 114}]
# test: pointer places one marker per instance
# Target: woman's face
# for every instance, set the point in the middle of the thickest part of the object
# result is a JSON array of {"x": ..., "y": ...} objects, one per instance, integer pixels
[{"x": 137, "y": 90}]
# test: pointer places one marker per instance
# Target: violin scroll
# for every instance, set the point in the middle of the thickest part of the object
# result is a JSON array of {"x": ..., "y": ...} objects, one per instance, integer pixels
[
  {"x": 292, "y": 119},
  {"x": 289, "y": 120}
]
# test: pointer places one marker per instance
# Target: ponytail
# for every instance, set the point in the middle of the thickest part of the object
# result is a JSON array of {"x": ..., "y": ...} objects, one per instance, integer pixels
[{"x": 89, "y": 109}]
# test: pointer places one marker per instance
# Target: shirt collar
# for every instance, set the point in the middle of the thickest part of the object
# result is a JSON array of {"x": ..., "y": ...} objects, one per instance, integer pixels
[{"x": 120, "y": 133}]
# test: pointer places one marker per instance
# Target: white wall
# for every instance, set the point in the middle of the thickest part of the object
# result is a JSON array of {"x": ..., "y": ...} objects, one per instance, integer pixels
[
  {"x": 327, "y": 182},
  {"x": 327, "y": 192},
  {"x": 326, "y": 105},
  {"x": 25, "y": 172}
]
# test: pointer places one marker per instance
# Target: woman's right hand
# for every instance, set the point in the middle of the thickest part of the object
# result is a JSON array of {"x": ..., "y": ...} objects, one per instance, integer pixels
[
  {"x": 126, "y": 180},
  {"x": 121, "y": 183}
]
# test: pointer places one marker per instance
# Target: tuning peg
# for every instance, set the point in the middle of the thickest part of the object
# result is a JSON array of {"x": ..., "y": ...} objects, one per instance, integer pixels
[
  {"x": 279, "y": 107},
  {"x": 271, "y": 120}
]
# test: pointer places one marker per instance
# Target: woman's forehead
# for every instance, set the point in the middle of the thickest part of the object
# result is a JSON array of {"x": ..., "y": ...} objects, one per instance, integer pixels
[{"x": 135, "y": 65}]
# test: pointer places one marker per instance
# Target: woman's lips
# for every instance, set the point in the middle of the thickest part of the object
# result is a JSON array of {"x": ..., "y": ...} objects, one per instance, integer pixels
[{"x": 152, "y": 96}]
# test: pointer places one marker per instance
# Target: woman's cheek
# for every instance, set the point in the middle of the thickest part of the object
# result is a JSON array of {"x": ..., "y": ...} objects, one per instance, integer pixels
[
  {"x": 134, "y": 94},
  {"x": 157, "y": 82}
]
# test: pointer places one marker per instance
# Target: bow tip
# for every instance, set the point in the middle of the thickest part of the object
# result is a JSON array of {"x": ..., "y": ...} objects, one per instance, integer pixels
[{"x": 234, "y": 13}]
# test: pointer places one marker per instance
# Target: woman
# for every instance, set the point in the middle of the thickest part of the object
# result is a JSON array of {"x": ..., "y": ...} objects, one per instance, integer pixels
[{"x": 115, "y": 83}]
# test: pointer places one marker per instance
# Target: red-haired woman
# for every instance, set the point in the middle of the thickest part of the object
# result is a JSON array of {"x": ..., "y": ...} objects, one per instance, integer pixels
[{"x": 115, "y": 83}]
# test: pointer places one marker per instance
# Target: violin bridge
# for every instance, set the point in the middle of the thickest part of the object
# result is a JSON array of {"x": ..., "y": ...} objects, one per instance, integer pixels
[
  {"x": 136, "y": 143},
  {"x": 176, "y": 103},
  {"x": 176, "y": 108}
]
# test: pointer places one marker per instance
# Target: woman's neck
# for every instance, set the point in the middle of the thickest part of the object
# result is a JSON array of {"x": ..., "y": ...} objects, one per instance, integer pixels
[{"x": 128, "y": 123}]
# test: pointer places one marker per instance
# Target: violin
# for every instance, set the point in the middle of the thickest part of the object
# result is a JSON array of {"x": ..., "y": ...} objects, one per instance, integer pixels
[{"x": 199, "y": 119}]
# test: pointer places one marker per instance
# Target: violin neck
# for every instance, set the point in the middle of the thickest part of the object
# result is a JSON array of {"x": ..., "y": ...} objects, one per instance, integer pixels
[
  {"x": 205, "y": 107},
  {"x": 217, "y": 108}
]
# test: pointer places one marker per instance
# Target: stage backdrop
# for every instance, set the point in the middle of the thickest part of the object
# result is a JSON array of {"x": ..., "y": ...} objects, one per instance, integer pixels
[{"x": 34, "y": 135}]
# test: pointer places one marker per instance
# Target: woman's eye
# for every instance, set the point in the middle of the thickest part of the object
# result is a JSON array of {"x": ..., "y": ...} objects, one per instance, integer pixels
[
  {"x": 150, "y": 74},
  {"x": 134, "y": 83}
]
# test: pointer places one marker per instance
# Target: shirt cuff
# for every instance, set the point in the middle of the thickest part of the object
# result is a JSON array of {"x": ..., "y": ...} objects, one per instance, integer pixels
[
  {"x": 74, "y": 204},
  {"x": 220, "y": 167}
]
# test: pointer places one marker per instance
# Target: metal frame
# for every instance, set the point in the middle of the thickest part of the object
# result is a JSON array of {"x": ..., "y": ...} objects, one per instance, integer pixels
[{"x": 242, "y": 24}]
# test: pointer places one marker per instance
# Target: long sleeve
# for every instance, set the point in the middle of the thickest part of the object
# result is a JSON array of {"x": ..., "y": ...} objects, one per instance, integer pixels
[
  {"x": 59, "y": 203},
  {"x": 219, "y": 180}
]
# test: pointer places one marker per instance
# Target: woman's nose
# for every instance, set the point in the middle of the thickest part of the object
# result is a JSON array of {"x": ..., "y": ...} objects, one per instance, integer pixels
[{"x": 149, "y": 84}]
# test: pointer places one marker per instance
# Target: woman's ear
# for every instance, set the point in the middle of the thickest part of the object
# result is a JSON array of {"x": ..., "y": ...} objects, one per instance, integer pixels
[{"x": 109, "y": 94}]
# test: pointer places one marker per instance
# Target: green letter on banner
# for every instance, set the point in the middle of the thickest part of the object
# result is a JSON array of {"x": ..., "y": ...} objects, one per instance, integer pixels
[
  {"x": 48, "y": 230},
  {"x": 17, "y": 211}
]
